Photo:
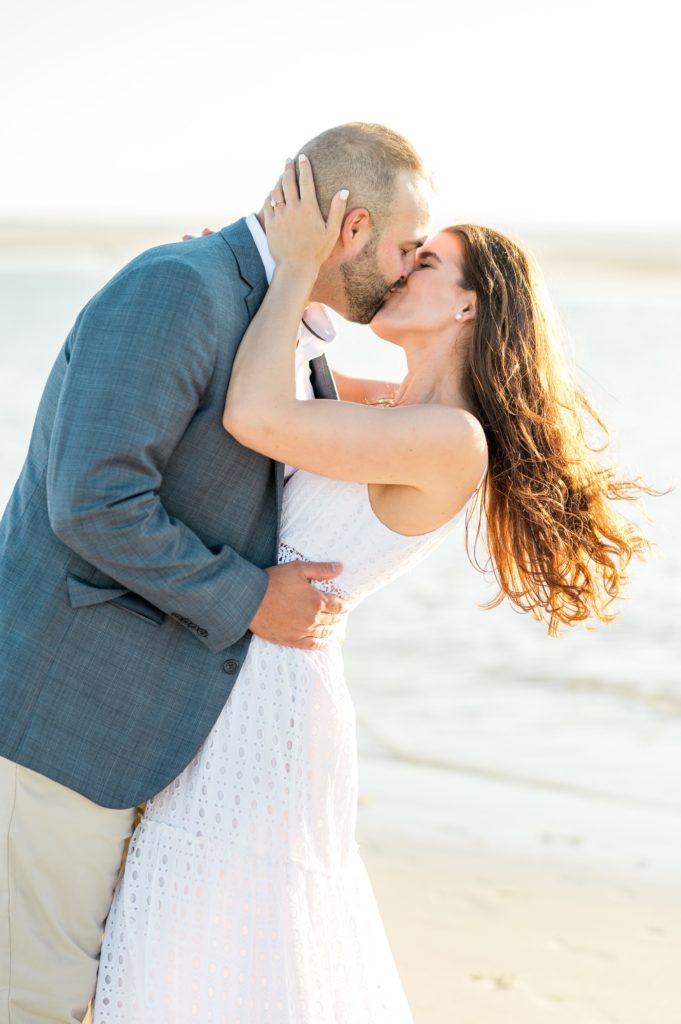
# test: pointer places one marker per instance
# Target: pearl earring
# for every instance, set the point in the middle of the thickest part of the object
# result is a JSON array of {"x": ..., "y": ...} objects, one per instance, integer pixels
[{"x": 458, "y": 316}]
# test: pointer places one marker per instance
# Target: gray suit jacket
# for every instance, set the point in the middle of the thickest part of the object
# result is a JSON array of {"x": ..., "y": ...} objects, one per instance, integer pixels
[{"x": 133, "y": 547}]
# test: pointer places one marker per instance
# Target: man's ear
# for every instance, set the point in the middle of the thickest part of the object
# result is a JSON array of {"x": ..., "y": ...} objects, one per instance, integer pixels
[{"x": 356, "y": 229}]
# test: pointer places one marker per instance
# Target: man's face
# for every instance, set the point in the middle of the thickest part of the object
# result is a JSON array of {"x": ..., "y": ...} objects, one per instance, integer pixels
[{"x": 388, "y": 258}]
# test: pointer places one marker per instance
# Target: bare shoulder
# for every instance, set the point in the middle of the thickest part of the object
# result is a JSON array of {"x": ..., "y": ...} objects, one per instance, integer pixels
[
  {"x": 458, "y": 462},
  {"x": 444, "y": 441},
  {"x": 458, "y": 439},
  {"x": 452, "y": 458},
  {"x": 462, "y": 422},
  {"x": 473, "y": 434}
]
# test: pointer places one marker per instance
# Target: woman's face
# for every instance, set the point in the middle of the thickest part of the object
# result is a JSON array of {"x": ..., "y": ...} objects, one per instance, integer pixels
[{"x": 431, "y": 296}]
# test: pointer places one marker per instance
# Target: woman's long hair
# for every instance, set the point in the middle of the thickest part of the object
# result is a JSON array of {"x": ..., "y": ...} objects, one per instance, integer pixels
[{"x": 558, "y": 547}]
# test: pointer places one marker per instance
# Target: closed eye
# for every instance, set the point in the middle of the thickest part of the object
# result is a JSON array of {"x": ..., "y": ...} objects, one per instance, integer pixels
[{"x": 428, "y": 259}]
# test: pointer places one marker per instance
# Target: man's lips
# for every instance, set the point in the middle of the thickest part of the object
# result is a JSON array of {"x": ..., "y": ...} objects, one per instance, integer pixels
[{"x": 395, "y": 290}]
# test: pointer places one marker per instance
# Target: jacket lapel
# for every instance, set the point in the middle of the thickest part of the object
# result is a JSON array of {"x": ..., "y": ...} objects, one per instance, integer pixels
[
  {"x": 279, "y": 484},
  {"x": 252, "y": 273}
]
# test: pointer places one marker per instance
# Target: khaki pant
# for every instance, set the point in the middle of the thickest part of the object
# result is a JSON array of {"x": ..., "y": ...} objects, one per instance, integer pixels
[{"x": 60, "y": 856}]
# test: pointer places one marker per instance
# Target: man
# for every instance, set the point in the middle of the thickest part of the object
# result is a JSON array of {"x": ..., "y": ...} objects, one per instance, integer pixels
[{"x": 138, "y": 553}]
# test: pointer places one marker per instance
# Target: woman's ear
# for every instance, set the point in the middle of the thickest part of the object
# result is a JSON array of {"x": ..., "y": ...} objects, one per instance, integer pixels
[{"x": 468, "y": 309}]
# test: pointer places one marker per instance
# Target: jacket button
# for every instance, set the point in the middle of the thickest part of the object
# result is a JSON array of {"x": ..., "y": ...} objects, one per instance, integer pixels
[{"x": 230, "y": 667}]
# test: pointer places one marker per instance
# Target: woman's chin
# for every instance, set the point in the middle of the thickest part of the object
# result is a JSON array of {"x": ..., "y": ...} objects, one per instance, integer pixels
[{"x": 382, "y": 325}]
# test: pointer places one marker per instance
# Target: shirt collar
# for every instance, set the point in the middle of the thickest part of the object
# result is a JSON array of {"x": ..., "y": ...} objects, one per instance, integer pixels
[
  {"x": 317, "y": 329},
  {"x": 316, "y": 332}
]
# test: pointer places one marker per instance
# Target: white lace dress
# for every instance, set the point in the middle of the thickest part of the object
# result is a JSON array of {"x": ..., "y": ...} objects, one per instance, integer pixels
[{"x": 244, "y": 899}]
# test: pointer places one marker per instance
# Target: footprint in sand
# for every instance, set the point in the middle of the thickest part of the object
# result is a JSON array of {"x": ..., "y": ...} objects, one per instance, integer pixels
[{"x": 499, "y": 981}]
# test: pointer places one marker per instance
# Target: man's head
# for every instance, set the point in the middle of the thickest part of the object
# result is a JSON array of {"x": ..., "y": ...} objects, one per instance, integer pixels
[{"x": 387, "y": 216}]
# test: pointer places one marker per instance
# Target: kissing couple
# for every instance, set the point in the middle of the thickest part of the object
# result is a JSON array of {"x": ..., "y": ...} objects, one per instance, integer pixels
[{"x": 202, "y": 504}]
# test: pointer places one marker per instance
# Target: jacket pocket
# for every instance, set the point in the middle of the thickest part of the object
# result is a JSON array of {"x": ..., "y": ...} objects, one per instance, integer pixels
[{"x": 83, "y": 594}]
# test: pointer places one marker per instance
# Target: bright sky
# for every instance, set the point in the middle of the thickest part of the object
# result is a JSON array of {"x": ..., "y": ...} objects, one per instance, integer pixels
[{"x": 528, "y": 111}]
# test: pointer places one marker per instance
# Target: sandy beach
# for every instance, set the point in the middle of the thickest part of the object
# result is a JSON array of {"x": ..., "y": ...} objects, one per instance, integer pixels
[
  {"x": 490, "y": 940},
  {"x": 486, "y": 934}
]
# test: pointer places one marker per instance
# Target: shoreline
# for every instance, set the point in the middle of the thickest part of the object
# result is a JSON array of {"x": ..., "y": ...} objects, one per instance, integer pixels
[
  {"x": 560, "y": 250},
  {"x": 417, "y": 809}
]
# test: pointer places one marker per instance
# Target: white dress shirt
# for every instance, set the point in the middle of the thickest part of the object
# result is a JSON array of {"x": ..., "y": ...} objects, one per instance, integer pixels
[{"x": 316, "y": 330}]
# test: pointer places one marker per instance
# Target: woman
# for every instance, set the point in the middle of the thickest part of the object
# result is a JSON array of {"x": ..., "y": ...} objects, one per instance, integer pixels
[{"x": 244, "y": 898}]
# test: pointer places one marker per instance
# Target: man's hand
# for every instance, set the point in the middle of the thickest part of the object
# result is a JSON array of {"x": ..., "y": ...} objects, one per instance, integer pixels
[{"x": 295, "y": 614}]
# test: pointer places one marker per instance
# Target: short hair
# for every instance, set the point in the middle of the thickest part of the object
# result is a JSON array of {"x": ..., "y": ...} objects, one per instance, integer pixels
[{"x": 365, "y": 158}]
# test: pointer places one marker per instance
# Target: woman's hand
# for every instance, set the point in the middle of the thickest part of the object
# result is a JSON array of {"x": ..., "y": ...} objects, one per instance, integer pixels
[{"x": 297, "y": 233}]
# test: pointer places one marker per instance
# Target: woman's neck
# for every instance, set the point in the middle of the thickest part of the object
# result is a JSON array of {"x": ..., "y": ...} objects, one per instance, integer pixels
[{"x": 434, "y": 374}]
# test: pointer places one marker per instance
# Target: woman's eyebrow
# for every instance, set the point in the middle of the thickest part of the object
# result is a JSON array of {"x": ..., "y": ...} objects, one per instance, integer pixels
[{"x": 426, "y": 255}]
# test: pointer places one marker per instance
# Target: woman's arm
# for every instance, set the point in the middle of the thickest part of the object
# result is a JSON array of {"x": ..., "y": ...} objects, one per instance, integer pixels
[{"x": 411, "y": 444}]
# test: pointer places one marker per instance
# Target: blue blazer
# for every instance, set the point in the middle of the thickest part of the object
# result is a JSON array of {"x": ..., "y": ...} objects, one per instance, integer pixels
[{"x": 133, "y": 547}]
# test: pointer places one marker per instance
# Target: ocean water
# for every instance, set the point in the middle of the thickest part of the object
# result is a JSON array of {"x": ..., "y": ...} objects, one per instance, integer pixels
[{"x": 439, "y": 682}]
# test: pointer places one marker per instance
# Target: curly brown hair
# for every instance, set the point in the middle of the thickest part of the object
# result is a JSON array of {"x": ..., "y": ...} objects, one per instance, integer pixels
[{"x": 558, "y": 547}]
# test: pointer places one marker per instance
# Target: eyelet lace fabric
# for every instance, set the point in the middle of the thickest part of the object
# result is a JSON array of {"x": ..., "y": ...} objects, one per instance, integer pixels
[
  {"x": 291, "y": 554},
  {"x": 244, "y": 898}
]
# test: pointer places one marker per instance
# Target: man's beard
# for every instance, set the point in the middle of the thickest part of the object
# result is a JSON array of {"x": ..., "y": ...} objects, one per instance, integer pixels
[{"x": 364, "y": 285}]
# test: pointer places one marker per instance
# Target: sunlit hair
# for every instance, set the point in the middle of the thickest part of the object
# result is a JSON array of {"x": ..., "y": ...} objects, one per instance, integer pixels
[
  {"x": 558, "y": 547},
  {"x": 366, "y": 159}
]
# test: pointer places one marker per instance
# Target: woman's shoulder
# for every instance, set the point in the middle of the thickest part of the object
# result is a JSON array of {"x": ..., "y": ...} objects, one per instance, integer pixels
[
  {"x": 457, "y": 437},
  {"x": 459, "y": 460},
  {"x": 453, "y": 462}
]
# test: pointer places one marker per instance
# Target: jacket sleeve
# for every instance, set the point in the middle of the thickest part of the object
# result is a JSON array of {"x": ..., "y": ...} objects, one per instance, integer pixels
[{"x": 139, "y": 360}]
